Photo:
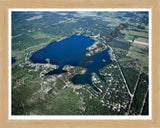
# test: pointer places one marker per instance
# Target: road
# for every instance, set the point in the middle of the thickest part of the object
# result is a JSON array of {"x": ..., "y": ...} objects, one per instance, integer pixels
[
  {"x": 139, "y": 42},
  {"x": 144, "y": 100},
  {"x": 122, "y": 75},
  {"x": 134, "y": 90}
]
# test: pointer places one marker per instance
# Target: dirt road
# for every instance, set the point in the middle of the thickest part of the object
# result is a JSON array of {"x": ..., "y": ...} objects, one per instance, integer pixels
[{"x": 139, "y": 42}]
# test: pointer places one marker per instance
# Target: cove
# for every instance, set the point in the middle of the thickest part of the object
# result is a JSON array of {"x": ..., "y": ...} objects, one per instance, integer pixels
[
  {"x": 97, "y": 64},
  {"x": 70, "y": 52}
]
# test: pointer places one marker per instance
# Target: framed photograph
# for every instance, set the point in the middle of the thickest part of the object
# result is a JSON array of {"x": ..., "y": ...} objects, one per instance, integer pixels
[{"x": 89, "y": 64}]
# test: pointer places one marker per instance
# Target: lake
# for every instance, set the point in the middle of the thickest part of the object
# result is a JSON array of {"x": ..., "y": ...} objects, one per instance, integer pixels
[
  {"x": 69, "y": 52},
  {"x": 13, "y": 60}
]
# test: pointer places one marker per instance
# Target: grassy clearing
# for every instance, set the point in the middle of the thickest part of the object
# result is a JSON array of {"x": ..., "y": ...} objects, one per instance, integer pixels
[
  {"x": 141, "y": 34},
  {"x": 141, "y": 57},
  {"x": 137, "y": 29},
  {"x": 142, "y": 39},
  {"x": 125, "y": 60},
  {"x": 140, "y": 54},
  {"x": 136, "y": 33},
  {"x": 129, "y": 37},
  {"x": 41, "y": 35}
]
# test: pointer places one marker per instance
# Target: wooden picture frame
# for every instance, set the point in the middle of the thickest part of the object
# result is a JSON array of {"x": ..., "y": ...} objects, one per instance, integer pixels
[{"x": 154, "y": 5}]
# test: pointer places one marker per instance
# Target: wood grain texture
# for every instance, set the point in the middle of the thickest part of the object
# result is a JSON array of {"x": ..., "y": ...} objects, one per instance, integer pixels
[{"x": 6, "y": 4}]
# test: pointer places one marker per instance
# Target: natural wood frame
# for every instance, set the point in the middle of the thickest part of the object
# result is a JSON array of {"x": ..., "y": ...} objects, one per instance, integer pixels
[{"x": 4, "y": 45}]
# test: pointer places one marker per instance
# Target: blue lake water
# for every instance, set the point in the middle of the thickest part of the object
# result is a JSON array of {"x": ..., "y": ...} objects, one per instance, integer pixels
[
  {"x": 69, "y": 52},
  {"x": 13, "y": 60}
]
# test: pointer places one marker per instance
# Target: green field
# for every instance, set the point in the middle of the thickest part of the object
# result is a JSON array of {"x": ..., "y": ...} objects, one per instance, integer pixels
[
  {"x": 146, "y": 40},
  {"x": 139, "y": 53},
  {"x": 129, "y": 37},
  {"x": 40, "y": 35},
  {"x": 136, "y": 33}
]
